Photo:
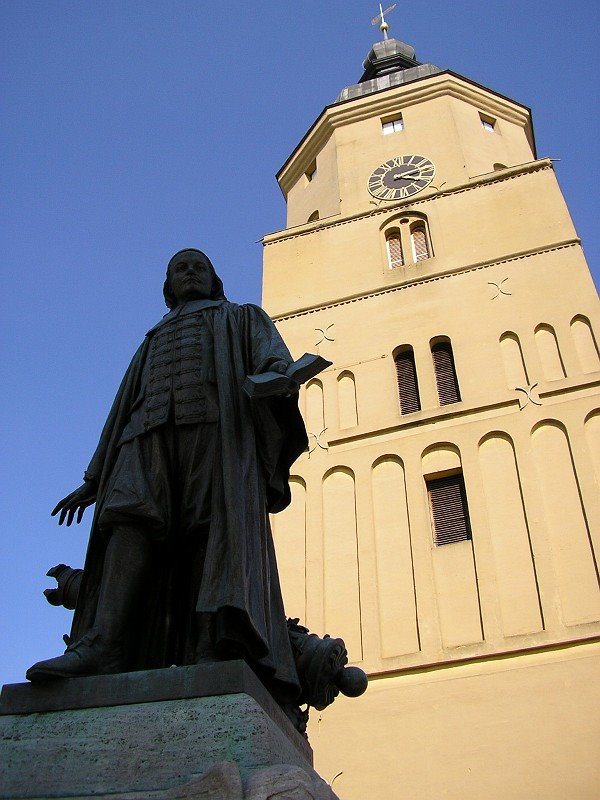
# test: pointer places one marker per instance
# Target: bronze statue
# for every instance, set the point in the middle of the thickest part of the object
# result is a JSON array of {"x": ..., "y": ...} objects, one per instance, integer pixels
[{"x": 180, "y": 565}]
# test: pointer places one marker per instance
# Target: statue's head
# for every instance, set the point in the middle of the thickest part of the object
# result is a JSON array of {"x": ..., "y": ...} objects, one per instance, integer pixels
[{"x": 191, "y": 276}]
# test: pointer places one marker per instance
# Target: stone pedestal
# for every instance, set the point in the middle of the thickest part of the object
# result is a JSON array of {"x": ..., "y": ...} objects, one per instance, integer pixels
[{"x": 184, "y": 733}]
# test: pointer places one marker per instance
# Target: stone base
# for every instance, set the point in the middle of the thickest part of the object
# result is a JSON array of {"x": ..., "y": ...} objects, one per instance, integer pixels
[{"x": 184, "y": 733}]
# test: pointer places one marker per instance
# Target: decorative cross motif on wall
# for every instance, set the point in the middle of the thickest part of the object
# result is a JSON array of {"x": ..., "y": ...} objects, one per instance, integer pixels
[
  {"x": 317, "y": 442},
  {"x": 528, "y": 396},
  {"x": 324, "y": 334},
  {"x": 499, "y": 288}
]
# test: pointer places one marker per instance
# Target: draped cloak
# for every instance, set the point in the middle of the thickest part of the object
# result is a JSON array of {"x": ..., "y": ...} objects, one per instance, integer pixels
[{"x": 257, "y": 442}]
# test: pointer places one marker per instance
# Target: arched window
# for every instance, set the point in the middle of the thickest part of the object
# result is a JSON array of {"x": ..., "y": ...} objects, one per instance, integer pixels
[
  {"x": 418, "y": 239},
  {"x": 445, "y": 372},
  {"x": 314, "y": 216},
  {"x": 407, "y": 240},
  {"x": 394, "y": 249},
  {"x": 406, "y": 376}
]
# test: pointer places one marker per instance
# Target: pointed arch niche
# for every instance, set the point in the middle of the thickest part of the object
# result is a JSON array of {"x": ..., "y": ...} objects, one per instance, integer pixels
[
  {"x": 289, "y": 534},
  {"x": 592, "y": 435},
  {"x": 454, "y": 569},
  {"x": 406, "y": 239},
  {"x": 566, "y": 524},
  {"x": 549, "y": 353},
  {"x": 514, "y": 363},
  {"x": 340, "y": 560},
  {"x": 315, "y": 409},
  {"x": 348, "y": 410},
  {"x": 509, "y": 533},
  {"x": 394, "y": 557},
  {"x": 585, "y": 344}
]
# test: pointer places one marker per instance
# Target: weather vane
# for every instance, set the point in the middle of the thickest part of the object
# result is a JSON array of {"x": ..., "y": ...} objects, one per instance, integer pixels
[{"x": 380, "y": 18}]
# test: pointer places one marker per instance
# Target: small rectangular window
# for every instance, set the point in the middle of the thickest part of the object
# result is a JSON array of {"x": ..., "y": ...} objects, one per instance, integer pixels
[
  {"x": 449, "y": 510},
  {"x": 311, "y": 171},
  {"x": 487, "y": 123},
  {"x": 393, "y": 126}
]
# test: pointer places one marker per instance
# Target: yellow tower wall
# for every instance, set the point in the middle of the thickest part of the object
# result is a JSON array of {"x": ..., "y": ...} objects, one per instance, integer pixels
[
  {"x": 481, "y": 653},
  {"x": 518, "y": 728},
  {"x": 441, "y": 120}
]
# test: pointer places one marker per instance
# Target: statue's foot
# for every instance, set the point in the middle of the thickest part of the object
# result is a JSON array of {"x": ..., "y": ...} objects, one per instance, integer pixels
[{"x": 91, "y": 655}]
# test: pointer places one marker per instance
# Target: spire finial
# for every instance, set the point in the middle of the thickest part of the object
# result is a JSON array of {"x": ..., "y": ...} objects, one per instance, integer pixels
[{"x": 380, "y": 18}]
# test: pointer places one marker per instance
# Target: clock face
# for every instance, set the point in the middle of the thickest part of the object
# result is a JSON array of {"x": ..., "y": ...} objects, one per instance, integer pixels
[{"x": 401, "y": 177}]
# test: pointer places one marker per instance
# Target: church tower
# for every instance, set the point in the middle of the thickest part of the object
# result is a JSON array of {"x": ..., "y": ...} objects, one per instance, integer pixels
[{"x": 445, "y": 521}]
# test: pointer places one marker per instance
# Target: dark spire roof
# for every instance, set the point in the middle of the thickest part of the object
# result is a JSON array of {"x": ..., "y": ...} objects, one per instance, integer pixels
[
  {"x": 389, "y": 55},
  {"x": 389, "y": 63}
]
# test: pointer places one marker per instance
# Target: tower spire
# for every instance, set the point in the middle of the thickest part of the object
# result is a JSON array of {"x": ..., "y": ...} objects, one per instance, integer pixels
[
  {"x": 389, "y": 62},
  {"x": 380, "y": 18}
]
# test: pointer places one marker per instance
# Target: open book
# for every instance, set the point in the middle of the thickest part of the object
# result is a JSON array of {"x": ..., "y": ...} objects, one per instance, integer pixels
[{"x": 272, "y": 383}]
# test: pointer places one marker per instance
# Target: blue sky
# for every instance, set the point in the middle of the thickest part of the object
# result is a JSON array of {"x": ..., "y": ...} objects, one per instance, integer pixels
[{"x": 132, "y": 129}]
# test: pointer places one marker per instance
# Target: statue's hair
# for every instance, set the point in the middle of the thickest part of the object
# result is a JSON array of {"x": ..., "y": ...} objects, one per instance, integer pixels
[{"x": 216, "y": 292}]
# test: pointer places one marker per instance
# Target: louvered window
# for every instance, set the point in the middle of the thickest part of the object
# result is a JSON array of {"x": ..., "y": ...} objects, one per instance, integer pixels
[
  {"x": 449, "y": 510},
  {"x": 394, "y": 249},
  {"x": 445, "y": 373},
  {"x": 420, "y": 244},
  {"x": 406, "y": 375}
]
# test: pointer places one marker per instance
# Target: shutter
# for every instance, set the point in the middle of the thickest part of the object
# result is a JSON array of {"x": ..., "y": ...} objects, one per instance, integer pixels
[
  {"x": 406, "y": 375},
  {"x": 419, "y": 240},
  {"x": 449, "y": 512},
  {"x": 394, "y": 246},
  {"x": 445, "y": 373},
  {"x": 394, "y": 126}
]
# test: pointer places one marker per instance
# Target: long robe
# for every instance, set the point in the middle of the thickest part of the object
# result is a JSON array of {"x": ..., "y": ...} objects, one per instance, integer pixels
[{"x": 239, "y": 586}]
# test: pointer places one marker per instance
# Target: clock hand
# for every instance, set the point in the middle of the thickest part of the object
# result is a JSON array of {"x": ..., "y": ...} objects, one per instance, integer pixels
[{"x": 406, "y": 174}]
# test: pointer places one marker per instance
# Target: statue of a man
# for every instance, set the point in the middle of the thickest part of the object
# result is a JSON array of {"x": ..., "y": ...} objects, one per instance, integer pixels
[{"x": 180, "y": 566}]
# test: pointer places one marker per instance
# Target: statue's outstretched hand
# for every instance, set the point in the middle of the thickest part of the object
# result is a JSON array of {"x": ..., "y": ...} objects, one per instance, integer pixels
[{"x": 76, "y": 503}]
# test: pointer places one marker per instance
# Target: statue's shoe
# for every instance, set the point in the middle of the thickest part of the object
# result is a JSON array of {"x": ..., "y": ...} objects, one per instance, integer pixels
[{"x": 91, "y": 655}]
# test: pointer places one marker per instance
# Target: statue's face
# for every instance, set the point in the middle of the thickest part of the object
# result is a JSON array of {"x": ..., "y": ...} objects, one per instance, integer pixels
[{"x": 190, "y": 277}]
